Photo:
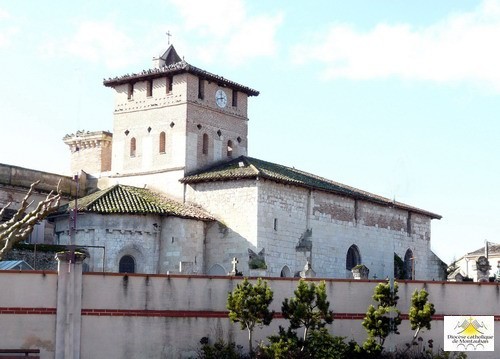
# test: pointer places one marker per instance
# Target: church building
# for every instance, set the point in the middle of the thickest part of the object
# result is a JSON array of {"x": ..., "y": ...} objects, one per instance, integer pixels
[{"x": 174, "y": 190}]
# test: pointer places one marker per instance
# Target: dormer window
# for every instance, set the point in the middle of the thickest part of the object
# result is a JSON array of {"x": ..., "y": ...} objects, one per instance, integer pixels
[{"x": 149, "y": 88}]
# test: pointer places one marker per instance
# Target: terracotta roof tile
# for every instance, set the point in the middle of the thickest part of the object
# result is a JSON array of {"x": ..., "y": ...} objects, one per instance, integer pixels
[
  {"x": 247, "y": 167},
  {"x": 175, "y": 68},
  {"x": 121, "y": 199}
]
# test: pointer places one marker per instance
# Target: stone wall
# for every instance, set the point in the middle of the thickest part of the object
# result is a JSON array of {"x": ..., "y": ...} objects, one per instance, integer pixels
[
  {"x": 268, "y": 215},
  {"x": 157, "y": 243},
  {"x": 90, "y": 151},
  {"x": 234, "y": 204},
  {"x": 15, "y": 181}
]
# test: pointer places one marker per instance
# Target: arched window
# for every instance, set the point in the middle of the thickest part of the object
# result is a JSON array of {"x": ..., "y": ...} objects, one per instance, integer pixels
[
  {"x": 162, "y": 142},
  {"x": 217, "y": 269},
  {"x": 408, "y": 266},
  {"x": 353, "y": 258},
  {"x": 127, "y": 264},
  {"x": 229, "y": 148},
  {"x": 285, "y": 272},
  {"x": 132, "y": 147},
  {"x": 204, "y": 148}
]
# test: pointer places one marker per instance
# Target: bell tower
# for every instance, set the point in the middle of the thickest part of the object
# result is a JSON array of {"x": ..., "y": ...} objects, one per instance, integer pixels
[{"x": 173, "y": 119}]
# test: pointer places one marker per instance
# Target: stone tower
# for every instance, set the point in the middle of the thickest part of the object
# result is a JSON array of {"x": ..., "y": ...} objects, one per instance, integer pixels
[
  {"x": 90, "y": 151},
  {"x": 173, "y": 119}
]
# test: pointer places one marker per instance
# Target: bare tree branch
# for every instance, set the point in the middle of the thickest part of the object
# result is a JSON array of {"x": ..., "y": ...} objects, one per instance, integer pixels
[{"x": 19, "y": 227}]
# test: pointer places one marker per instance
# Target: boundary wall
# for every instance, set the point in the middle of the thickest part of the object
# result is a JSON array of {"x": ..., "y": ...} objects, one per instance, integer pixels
[{"x": 165, "y": 316}]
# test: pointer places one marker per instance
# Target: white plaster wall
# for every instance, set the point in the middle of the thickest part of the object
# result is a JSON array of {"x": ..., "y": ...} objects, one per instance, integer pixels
[
  {"x": 132, "y": 321},
  {"x": 153, "y": 337},
  {"x": 28, "y": 290}
]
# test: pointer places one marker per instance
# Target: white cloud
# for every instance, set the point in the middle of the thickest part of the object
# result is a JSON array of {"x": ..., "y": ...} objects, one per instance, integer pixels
[
  {"x": 97, "y": 42},
  {"x": 211, "y": 17},
  {"x": 6, "y": 36},
  {"x": 6, "y": 33},
  {"x": 254, "y": 38},
  {"x": 101, "y": 42},
  {"x": 4, "y": 14},
  {"x": 229, "y": 30},
  {"x": 461, "y": 47}
]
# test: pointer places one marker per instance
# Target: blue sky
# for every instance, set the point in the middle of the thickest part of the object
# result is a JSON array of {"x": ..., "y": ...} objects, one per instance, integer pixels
[{"x": 398, "y": 98}]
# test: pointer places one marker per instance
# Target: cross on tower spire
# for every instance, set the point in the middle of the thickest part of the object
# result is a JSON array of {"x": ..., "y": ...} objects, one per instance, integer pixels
[{"x": 168, "y": 36}]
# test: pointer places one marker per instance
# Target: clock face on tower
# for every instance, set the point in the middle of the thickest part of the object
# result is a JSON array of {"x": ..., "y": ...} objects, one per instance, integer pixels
[{"x": 221, "y": 98}]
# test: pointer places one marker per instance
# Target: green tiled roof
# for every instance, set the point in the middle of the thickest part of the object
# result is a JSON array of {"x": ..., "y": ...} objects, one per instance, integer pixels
[
  {"x": 121, "y": 199},
  {"x": 251, "y": 168}
]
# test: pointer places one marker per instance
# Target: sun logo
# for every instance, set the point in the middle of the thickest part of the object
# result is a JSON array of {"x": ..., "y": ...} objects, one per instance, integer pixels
[{"x": 470, "y": 327}]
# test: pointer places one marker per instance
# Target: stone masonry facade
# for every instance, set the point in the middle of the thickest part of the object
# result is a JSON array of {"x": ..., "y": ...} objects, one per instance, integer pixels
[
  {"x": 168, "y": 125},
  {"x": 272, "y": 216}
]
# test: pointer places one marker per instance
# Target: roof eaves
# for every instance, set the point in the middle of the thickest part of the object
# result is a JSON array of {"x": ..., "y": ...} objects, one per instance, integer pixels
[
  {"x": 173, "y": 69},
  {"x": 292, "y": 176}
]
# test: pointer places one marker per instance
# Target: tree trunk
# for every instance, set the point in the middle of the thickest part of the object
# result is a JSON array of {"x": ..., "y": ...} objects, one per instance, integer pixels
[{"x": 250, "y": 342}]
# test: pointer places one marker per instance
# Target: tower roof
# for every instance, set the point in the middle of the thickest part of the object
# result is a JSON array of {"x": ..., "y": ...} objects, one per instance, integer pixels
[
  {"x": 251, "y": 168},
  {"x": 174, "y": 65},
  {"x": 170, "y": 56}
]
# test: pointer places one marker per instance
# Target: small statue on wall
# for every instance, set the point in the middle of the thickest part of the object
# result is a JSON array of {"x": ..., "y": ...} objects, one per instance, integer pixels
[
  {"x": 483, "y": 269},
  {"x": 308, "y": 272}
]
